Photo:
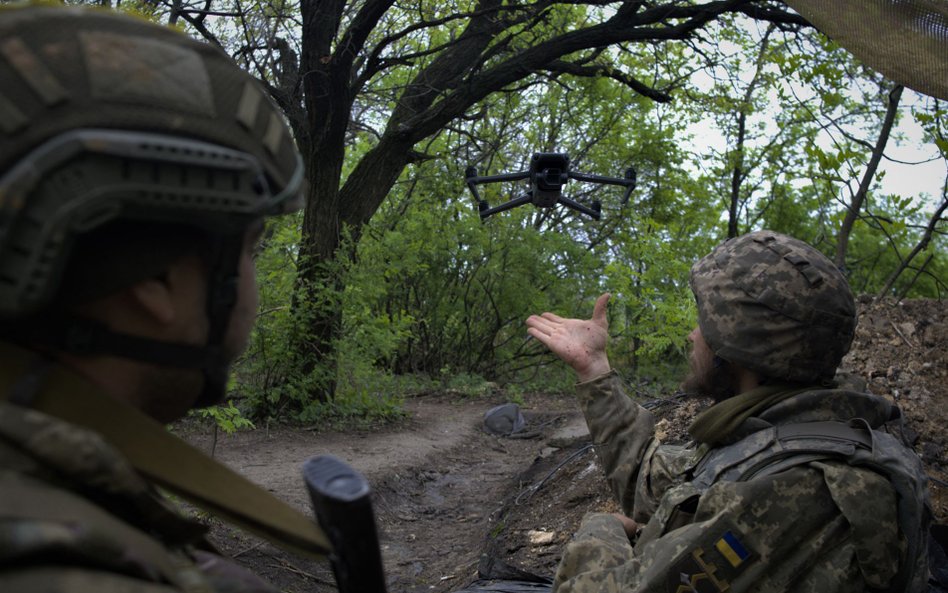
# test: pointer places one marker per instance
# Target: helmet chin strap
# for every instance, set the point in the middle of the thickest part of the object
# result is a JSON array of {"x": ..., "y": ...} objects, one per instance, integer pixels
[{"x": 222, "y": 286}]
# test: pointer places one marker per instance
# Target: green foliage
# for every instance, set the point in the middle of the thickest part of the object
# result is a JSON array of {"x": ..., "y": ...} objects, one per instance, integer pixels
[
  {"x": 880, "y": 242},
  {"x": 431, "y": 298},
  {"x": 276, "y": 380},
  {"x": 227, "y": 417},
  {"x": 467, "y": 385},
  {"x": 498, "y": 529}
]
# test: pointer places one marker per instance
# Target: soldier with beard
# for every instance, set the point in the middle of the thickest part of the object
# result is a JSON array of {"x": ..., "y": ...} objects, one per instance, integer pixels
[{"x": 791, "y": 483}]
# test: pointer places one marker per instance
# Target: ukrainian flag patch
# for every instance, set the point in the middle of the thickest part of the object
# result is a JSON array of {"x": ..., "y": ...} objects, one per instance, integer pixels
[{"x": 732, "y": 549}]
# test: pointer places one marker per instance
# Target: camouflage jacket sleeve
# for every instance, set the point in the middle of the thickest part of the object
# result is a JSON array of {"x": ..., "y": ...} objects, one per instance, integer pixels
[
  {"x": 823, "y": 527},
  {"x": 638, "y": 468}
]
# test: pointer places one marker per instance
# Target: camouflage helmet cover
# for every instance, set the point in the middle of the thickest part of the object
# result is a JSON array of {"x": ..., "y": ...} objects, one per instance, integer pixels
[
  {"x": 108, "y": 117},
  {"x": 774, "y": 305}
]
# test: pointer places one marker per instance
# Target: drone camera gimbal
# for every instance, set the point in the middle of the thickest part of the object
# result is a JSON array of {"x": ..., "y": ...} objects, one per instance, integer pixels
[{"x": 548, "y": 173}]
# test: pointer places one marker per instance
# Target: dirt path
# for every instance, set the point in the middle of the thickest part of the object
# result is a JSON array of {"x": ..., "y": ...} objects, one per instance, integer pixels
[{"x": 438, "y": 480}]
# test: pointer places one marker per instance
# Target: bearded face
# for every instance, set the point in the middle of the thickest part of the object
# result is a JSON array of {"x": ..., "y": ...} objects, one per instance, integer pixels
[{"x": 708, "y": 374}]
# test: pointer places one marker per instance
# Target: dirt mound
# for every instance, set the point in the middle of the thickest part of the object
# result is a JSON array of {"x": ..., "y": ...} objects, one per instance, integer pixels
[{"x": 901, "y": 352}]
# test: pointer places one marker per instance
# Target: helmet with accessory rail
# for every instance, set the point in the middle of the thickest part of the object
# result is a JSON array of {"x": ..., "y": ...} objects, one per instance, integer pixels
[{"x": 110, "y": 124}]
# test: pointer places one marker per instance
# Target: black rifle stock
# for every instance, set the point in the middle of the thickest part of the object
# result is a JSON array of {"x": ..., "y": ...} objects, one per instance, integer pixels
[{"x": 341, "y": 499}]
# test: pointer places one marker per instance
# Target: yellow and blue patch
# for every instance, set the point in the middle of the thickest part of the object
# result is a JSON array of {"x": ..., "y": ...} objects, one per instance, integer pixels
[
  {"x": 712, "y": 564},
  {"x": 732, "y": 549}
]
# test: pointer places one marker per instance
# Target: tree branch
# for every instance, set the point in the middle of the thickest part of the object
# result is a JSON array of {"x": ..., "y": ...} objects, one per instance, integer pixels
[
  {"x": 778, "y": 17},
  {"x": 353, "y": 40},
  {"x": 922, "y": 244},
  {"x": 200, "y": 27},
  {"x": 598, "y": 70},
  {"x": 855, "y": 205},
  {"x": 638, "y": 26}
]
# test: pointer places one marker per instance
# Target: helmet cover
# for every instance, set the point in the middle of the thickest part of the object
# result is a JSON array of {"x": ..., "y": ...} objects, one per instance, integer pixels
[
  {"x": 774, "y": 305},
  {"x": 107, "y": 117}
]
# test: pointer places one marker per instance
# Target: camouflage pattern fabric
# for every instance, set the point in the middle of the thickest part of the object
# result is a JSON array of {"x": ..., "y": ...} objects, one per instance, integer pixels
[
  {"x": 747, "y": 315},
  {"x": 75, "y": 516},
  {"x": 824, "y": 526}
]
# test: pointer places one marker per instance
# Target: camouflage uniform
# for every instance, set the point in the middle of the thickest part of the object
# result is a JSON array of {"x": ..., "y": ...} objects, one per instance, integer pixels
[
  {"x": 75, "y": 516},
  {"x": 823, "y": 526}
]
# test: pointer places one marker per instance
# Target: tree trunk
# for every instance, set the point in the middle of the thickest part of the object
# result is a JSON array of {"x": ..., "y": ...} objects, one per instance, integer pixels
[
  {"x": 738, "y": 174},
  {"x": 319, "y": 321}
]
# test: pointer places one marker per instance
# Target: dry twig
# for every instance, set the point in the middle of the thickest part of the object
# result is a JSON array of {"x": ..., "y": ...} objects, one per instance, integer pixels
[{"x": 901, "y": 335}]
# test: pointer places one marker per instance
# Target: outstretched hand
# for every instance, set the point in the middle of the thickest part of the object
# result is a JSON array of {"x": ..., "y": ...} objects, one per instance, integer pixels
[{"x": 580, "y": 343}]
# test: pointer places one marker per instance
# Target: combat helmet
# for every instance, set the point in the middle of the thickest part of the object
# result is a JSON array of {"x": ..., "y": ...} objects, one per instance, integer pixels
[
  {"x": 774, "y": 305},
  {"x": 106, "y": 117}
]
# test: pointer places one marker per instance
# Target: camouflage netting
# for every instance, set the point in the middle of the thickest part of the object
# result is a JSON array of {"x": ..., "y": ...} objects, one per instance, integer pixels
[{"x": 906, "y": 40}]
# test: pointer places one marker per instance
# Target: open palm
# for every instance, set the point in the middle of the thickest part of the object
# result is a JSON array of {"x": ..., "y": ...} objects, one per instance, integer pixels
[{"x": 580, "y": 343}]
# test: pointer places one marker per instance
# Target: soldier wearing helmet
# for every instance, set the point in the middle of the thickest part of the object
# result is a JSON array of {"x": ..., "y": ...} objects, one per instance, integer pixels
[
  {"x": 791, "y": 483},
  {"x": 136, "y": 169}
]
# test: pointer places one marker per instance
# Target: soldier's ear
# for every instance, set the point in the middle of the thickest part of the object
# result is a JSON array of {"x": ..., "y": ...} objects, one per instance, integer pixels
[
  {"x": 154, "y": 297},
  {"x": 176, "y": 296}
]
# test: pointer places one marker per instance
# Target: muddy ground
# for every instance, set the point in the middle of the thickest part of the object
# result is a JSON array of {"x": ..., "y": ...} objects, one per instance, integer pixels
[{"x": 449, "y": 497}]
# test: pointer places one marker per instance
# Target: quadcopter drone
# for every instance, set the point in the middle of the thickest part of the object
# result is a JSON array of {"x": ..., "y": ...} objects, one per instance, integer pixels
[{"x": 548, "y": 172}]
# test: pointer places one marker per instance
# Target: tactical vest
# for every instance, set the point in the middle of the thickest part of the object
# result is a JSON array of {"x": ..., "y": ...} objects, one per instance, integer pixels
[{"x": 780, "y": 448}]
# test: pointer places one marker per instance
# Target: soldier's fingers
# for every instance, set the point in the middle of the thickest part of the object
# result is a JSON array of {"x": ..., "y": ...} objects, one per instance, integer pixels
[
  {"x": 541, "y": 337},
  {"x": 535, "y": 320},
  {"x": 539, "y": 324},
  {"x": 600, "y": 309}
]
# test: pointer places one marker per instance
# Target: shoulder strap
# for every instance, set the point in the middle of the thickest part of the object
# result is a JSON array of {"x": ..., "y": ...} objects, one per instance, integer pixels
[
  {"x": 806, "y": 442},
  {"x": 829, "y": 430}
]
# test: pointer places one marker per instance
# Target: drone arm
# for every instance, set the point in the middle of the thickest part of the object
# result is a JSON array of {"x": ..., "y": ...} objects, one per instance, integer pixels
[
  {"x": 473, "y": 180},
  {"x": 495, "y": 178},
  {"x": 628, "y": 181},
  {"x": 595, "y": 212},
  {"x": 518, "y": 201},
  {"x": 472, "y": 185}
]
